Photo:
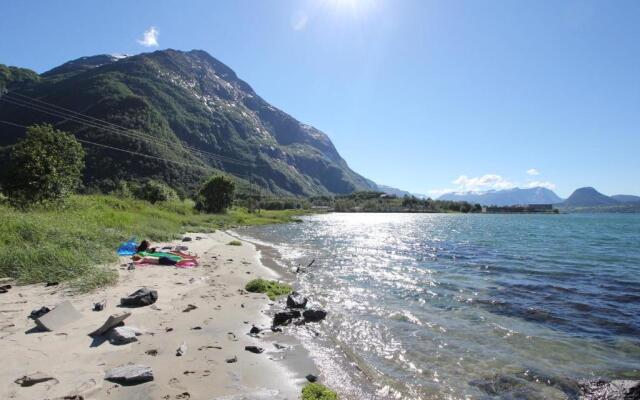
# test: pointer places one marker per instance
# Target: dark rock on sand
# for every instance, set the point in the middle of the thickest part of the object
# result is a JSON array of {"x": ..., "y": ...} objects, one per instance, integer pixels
[
  {"x": 99, "y": 306},
  {"x": 129, "y": 374},
  {"x": 254, "y": 330},
  {"x": 254, "y": 349},
  {"x": 311, "y": 378},
  {"x": 140, "y": 298},
  {"x": 284, "y": 317},
  {"x": 186, "y": 239},
  {"x": 314, "y": 315},
  {"x": 232, "y": 360},
  {"x": 113, "y": 321},
  {"x": 39, "y": 312},
  {"x": 599, "y": 389},
  {"x": 296, "y": 300},
  {"x": 123, "y": 335}
]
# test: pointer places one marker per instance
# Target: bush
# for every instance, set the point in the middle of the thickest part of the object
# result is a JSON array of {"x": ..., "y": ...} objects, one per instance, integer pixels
[
  {"x": 46, "y": 167},
  {"x": 216, "y": 195},
  {"x": 316, "y": 391},
  {"x": 154, "y": 191},
  {"x": 273, "y": 289},
  {"x": 235, "y": 243}
]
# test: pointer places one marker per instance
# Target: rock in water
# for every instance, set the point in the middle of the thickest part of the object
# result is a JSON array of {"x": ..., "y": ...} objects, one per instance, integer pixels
[
  {"x": 284, "y": 317},
  {"x": 112, "y": 321},
  {"x": 599, "y": 389},
  {"x": 35, "y": 378},
  {"x": 129, "y": 374},
  {"x": 123, "y": 335},
  {"x": 139, "y": 298},
  {"x": 314, "y": 315},
  {"x": 296, "y": 300}
]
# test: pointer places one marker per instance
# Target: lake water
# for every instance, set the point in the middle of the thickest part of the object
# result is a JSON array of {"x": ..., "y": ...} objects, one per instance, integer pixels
[{"x": 452, "y": 306}]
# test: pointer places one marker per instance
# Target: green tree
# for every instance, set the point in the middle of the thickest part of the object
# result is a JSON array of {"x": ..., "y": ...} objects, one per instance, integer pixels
[
  {"x": 216, "y": 195},
  {"x": 46, "y": 167},
  {"x": 154, "y": 191}
]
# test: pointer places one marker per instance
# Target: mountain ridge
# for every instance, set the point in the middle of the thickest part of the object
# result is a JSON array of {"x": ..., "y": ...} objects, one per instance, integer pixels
[{"x": 188, "y": 100}]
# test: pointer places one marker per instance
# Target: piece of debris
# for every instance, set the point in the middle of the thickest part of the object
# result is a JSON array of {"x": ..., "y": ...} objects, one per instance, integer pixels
[
  {"x": 112, "y": 321},
  {"x": 190, "y": 307},
  {"x": 61, "y": 315},
  {"x": 129, "y": 374},
  {"x": 34, "y": 379},
  {"x": 279, "y": 346},
  {"x": 39, "y": 312},
  {"x": 131, "y": 267},
  {"x": 152, "y": 352},
  {"x": 123, "y": 335},
  {"x": 5, "y": 288},
  {"x": 48, "y": 284},
  {"x": 232, "y": 336},
  {"x": 296, "y": 300},
  {"x": 182, "y": 349},
  {"x": 254, "y": 349},
  {"x": 209, "y": 347},
  {"x": 186, "y": 239},
  {"x": 99, "y": 306},
  {"x": 139, "y": 298},
  {"x": 231, "y": 360},
  {"x": 196, "y": 328},
  {"x": 311, "y": 378},
  {"x": 168, "y": 329},
  {"x": 314, "y": 315}
]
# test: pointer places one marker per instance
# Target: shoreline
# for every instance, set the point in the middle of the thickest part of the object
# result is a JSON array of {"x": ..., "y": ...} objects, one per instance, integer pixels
[{"x": 216, "y": 330}]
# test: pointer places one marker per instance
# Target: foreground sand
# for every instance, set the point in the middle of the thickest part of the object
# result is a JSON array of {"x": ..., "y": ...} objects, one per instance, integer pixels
[{"x": 224, "y": 315}]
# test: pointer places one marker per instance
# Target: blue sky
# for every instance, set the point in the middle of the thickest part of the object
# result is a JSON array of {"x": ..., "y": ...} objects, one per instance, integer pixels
[{"x": 422, "y": 95}]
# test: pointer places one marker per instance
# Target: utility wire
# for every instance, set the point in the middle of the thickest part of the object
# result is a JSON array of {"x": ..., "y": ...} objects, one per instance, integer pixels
[
  {"x": 87, "y": 120},
  {"x": 123, "y": 150},
  {"x": 98, "y": 121}
]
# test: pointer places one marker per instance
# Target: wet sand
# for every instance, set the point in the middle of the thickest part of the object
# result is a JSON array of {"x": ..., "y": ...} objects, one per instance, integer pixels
[{"x": 214, "y": 331}]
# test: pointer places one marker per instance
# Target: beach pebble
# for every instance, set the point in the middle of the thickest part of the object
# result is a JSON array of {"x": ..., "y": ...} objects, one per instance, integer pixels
[
  {"x": 311, "y": 378},
  {"x": 130, "y": 374},
  {"x": 254, "y": 349},
  {"x": 232, "y": 360},
  {"x": 182, "y": 349},
  {"x": 99, "y": 306},
  {"x": 123, "y": 335}
]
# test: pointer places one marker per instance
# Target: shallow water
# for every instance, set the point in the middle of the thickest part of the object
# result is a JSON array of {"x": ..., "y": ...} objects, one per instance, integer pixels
[{"x": 468, "y": 306}]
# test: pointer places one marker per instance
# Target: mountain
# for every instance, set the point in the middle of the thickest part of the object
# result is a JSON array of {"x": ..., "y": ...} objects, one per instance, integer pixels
[
  {"x": 626, "y": 198},
  {"x": 588, "y": 197},
  {"x": 507, "y": 197},
  {"x": 186, "y": 114}
]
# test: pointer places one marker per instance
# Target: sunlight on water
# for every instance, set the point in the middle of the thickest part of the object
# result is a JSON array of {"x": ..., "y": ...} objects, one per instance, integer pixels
[{"x": 444, "y": 306}]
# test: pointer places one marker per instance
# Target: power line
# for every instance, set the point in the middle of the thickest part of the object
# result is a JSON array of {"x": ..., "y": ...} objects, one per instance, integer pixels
[
  {"x": 50, "y": 109},
  {"x": 123, "y": 150},
  {"x": 106, "y": 124}
]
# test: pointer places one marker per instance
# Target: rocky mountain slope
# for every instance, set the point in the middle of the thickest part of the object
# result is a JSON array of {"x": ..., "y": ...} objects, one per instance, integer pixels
[
  {"x": 588, "y": 197},
  {"x": 185, "y": 116},
  {"x": 508, "y": 197}
]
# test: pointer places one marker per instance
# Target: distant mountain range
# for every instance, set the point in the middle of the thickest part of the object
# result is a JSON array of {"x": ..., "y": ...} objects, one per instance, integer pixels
[
  {"x": 508, "y": 197},
  {"x": 588, "y": 199},
  {"x": 582, "y": 199}
]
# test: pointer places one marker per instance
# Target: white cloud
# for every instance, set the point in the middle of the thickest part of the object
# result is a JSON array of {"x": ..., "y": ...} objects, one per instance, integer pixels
[
  {"x": 150, "y": 37},
  {"x": 544, "y": 184},
  {"x": 533, "y": 172},
  {"x": 484, "y": 182},
  {"x": 299, "y": 21}
]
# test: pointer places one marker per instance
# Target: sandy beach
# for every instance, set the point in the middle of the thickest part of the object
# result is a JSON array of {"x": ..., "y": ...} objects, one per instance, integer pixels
[{"x": 216, "y": 330}]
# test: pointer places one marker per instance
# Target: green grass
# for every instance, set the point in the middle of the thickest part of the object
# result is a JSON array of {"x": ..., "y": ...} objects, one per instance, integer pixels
[
  {"x": 235, "y": 243},
  {"x": 316, "y": 391},
  {"x": 273, "y": 289},
  {"x": 76, "y": 244}
]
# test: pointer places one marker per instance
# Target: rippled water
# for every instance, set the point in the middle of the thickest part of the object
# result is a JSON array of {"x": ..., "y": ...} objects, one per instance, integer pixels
[{"x": 469, "y": 306}]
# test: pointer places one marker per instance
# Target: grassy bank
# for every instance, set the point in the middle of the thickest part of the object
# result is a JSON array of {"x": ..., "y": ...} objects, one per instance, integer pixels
[{"x": 77, "y": 243}]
